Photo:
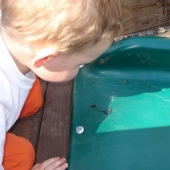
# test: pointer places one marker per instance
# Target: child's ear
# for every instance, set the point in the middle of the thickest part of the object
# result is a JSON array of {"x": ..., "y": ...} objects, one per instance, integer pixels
[{"x": 43, "y": 56}]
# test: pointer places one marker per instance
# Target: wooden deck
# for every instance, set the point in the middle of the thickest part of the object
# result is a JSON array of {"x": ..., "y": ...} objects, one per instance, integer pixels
[{"x": 48, "y": 130}]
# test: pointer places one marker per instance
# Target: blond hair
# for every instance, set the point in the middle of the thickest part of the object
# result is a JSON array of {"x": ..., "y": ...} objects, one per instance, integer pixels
[{"x": 70, "y": 25}]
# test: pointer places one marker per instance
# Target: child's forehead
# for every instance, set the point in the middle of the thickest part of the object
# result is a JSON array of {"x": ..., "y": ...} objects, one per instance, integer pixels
[
  {"x": 100, "y": 46},
  {"x": 93, "y": 51}
]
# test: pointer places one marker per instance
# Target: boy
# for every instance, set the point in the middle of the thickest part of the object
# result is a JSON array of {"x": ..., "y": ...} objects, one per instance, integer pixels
[{"x": 50, "y": 39}]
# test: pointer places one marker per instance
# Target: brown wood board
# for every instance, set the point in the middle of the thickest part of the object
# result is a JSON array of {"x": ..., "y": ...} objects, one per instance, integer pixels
[
  {"x": 29, "y": 127},
  {"x": 141, "y": 15},
  {"x": 54, "y": 134}
]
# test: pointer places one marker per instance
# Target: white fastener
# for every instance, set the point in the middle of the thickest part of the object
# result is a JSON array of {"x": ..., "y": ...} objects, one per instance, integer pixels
[{"x": 79, "y": 129}]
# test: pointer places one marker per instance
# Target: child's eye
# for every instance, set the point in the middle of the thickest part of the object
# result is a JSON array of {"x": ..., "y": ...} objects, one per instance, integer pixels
[{"x": 81, "y": 66}]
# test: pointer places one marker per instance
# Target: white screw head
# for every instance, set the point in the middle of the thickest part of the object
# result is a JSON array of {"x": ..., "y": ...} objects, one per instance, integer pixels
[{"x": 79, "y": 129}]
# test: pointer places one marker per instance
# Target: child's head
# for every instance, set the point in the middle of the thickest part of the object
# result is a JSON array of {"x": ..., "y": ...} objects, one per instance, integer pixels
[{"x": 69, "y": 26}]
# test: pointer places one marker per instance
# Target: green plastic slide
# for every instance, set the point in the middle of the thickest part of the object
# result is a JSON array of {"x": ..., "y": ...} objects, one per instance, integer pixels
[{"x": 121, "y": 108}]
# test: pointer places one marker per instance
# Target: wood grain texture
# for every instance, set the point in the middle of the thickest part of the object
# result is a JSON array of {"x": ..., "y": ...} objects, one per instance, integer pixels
[
  {"x": 29, "y": 127},
  {"x": 54, "y": 134},
  {"x": 141, "y": 15}
]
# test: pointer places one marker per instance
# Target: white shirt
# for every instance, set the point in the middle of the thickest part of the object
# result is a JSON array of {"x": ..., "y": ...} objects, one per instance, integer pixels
[{"x": 14, "y": 89}]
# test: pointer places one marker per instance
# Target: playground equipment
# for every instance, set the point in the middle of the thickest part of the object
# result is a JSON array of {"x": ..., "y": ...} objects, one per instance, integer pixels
[{"x": 121, "y": 108}]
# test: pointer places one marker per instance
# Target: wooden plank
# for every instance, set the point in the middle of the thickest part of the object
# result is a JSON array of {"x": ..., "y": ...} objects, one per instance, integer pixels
[
  {"x": 141, "y": 15},
  {"x": 54, "y": 134},
  {"x": 29, "y": 127}
]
